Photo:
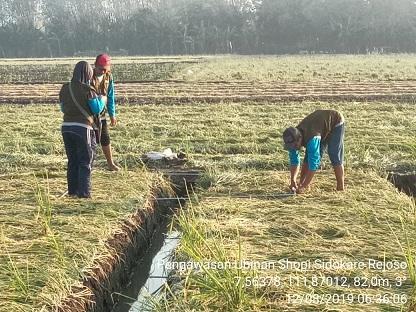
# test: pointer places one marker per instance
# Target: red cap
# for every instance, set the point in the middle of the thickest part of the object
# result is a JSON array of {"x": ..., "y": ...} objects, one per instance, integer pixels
[{"x": 103, "y": 60}]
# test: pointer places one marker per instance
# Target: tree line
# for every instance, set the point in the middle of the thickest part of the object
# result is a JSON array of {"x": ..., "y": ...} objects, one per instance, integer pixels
[{"x": 37, "y": 28}]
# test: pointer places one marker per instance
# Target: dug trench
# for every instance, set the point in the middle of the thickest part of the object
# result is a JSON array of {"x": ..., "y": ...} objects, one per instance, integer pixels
[{"x": 132, "y": 248}]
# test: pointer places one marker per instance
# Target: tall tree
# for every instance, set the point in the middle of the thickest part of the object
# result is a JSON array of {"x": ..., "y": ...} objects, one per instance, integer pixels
[{"x": 65, "y": 27}]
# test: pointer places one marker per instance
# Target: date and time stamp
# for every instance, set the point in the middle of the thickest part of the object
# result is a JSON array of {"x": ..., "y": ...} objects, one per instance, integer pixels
[
  {"x": 347, "y": 298},
  {"x": 319, "y": 282},
  {"x": 353, "y": 289}
]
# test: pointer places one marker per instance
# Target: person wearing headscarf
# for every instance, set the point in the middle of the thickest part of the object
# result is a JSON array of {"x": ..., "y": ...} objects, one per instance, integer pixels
[
  {"x": 79, "y": 104},
  {"x": 103, "y": 83},
  {"x": 320, "y": 130}
]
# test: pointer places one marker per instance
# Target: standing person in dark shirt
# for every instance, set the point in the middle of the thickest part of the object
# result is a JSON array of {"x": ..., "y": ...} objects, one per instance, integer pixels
[
  {"x": 321, "y": 129},
  {"x": 103, "y": 83},
  {"x": 79, "y": 103}
]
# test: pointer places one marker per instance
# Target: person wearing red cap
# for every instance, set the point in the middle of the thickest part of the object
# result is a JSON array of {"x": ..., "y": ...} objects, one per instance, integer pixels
[{"x": 104, "y": 85}]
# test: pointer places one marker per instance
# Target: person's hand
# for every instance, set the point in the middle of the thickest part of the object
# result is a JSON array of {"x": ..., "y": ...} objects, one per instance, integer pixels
[
  {"x": 113, "y": 121},
  {"x": 293, "y": 186}
]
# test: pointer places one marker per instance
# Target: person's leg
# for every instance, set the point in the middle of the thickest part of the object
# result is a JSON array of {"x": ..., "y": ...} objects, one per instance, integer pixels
[
  {"x": 106, "y": 147},
  {"x": 322, "y": 148},
  {"x": 109, "y": 157},
  {"x": 336, "y": 154},
  {"x": 86, "y": 145},
  {"x": 72, "y": 155},
  {"x": 93, "y": 145},
  {"x": 339, "y": 175}
]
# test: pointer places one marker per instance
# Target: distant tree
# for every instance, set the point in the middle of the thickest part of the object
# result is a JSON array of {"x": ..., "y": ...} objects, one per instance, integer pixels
[
  {"x": 63, "y": 27},
  {"x": 20, "y": 28}
]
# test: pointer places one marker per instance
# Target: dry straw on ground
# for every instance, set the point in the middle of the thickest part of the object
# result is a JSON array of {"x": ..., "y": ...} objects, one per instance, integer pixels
[
  {"x": 48, "y": 242},
  {"x": 370, "y": 220}
]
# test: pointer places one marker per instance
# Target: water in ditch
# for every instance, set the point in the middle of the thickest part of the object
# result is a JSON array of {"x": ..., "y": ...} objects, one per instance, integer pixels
[{"x": 150, "y": 275}]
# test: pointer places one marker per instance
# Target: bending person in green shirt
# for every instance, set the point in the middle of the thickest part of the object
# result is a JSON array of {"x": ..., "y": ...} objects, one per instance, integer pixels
[{"x": 320, "y": 130}]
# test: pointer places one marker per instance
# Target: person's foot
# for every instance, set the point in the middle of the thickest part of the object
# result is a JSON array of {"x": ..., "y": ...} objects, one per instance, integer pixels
[
  {"x": 113, "y": 167},
  {"x": 340, "y": 188}
]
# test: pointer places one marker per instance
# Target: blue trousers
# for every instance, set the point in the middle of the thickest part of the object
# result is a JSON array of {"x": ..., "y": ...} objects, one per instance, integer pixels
[
  {"x": 80, "y": 148},
  {"x": 335, "y": 145}
]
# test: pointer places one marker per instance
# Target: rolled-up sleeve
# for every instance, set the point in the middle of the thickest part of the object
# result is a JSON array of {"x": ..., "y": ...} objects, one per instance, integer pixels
[
  {"x": 111, "y": 95},
  {"x": 294, "y": 157},
  {"x": 313, "y": 151}
]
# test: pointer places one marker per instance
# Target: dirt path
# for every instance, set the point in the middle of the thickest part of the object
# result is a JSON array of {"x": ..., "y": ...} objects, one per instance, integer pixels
[{"x": 161, "y": 92}]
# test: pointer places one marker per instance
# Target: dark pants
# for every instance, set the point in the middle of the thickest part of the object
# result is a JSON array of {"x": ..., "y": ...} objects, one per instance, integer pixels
[
  {"x": 105, "y": 136},
  {"x": 80, "y": 147}
]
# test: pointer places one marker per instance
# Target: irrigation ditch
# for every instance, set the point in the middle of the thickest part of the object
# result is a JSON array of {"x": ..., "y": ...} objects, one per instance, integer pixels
[
  {"x": 133, "y": 248},
  {"x": 141, "y": 248}
]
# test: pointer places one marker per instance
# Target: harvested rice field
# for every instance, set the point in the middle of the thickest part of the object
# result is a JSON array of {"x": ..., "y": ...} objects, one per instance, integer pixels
[
  {"x": 171, "y": 92},
  {"x": 320, "y": 251},
  {"x": 218, "y": 79},
  {"x": 60, "y": 69},
  {"x": 50, "y": 243},
  {"x": 224, "y": 68}
]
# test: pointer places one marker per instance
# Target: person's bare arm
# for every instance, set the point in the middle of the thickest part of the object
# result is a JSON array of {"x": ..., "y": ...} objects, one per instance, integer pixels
[
  {"x": 294, "y": 171},
  {"x": 313, "y": 161}
]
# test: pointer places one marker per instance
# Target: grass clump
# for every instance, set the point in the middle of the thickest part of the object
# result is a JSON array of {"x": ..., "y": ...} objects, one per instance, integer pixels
[
  {"x": 205, "y": 284},
  {"x": 49, "y": 242}
]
